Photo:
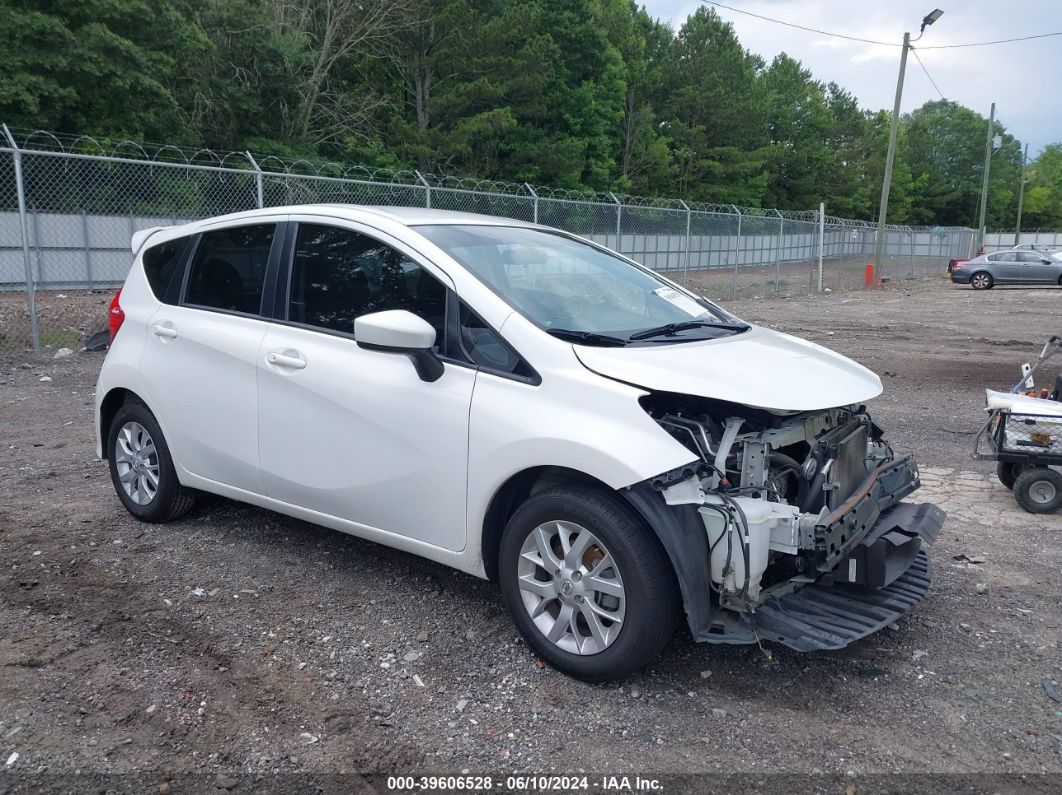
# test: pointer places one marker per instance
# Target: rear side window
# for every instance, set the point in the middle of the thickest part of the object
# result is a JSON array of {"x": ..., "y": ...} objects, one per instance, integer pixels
[
  {"x": 160, "y": 265},
  {"x": 339, "y": 275},
  {"x": 229, "y": 268}
]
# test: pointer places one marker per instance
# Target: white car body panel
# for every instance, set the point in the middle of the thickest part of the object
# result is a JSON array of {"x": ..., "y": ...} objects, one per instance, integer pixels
[
  {"x": 357, "y": 435},
  {"x": 759, "y": 367},
  {"x": 356, "y": 442}
]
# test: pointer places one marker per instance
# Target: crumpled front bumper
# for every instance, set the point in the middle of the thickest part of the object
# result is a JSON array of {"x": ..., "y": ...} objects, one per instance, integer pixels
[
  {"x": 830, "y": 616},
  {"x": 872, "y": 564}
]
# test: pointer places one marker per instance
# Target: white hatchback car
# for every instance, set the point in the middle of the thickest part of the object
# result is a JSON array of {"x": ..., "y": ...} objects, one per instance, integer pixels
[{"x": 520, "y": 404}]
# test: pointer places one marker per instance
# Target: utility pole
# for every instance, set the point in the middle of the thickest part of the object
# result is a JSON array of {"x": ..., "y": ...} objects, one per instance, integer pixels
[
  {"x": 894, "y": 126},
  {"x": 1021, "y": 195},
  {"x": 886, "y": 185},
  {"x": 984, "y": 178}
]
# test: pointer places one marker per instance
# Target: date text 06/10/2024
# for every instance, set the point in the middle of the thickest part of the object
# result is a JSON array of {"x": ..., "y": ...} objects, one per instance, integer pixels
[{"x": 523, "y": 783}]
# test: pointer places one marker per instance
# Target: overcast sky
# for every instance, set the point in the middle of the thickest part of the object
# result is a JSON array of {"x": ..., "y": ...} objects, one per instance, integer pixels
[{"x": 1022, "y": 78}]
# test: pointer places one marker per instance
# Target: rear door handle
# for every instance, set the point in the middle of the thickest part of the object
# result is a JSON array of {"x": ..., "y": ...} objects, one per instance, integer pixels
[
  {"x": 291, "y": 359},
  {"x": 164, "y": 330}
]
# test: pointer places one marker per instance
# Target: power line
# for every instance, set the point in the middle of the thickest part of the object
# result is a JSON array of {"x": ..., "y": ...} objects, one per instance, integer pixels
[
  {"x": 872, "y": 41},
  {"x": 986, "y": 43},
  {"x": 801, "y": 27},
  {"x": 914, "y": 52}
]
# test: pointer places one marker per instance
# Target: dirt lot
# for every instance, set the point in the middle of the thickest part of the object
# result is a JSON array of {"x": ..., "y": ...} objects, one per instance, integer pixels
[{"x": 236, "y": 647}]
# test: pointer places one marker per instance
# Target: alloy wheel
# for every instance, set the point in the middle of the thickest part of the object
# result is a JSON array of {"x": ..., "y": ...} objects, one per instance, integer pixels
[
  {"x": 571, "y": 587},
  {"x": 981, "y": 281},
  {"x": 137, "y": 462}
]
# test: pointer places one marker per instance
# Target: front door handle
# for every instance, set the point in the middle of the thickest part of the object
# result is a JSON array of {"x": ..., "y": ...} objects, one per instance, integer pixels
[
  {"x": 164, "y": 330},
  {"x": 290, "y": 359}
]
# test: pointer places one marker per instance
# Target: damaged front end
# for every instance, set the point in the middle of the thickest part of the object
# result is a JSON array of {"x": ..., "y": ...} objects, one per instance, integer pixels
[{"x": 789, "y": 527}]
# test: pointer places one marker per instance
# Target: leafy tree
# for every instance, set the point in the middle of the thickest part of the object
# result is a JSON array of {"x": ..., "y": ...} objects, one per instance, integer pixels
[
  {"x": 106, "y": 67},
  {"x": 945, "y": 152},
  {"x": 846, "y": 187},
  {"x": 591, "y": 94},
  {"x": 1043, "y": 195},
  {"x": 718, "y": 114},
  {"x": 799, "y": 162},
  {"x": 902, "y": 189}
]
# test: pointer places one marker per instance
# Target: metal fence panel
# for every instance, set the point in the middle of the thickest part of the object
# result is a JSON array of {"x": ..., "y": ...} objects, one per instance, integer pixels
[{"x": 65, "y": 247}]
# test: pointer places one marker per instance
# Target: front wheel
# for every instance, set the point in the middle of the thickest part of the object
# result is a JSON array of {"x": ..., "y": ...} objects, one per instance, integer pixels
[
  {"x": 1039, "y": 490},
  {"x": 586, "y": 583},
  {"x": 981, "y": 281}
]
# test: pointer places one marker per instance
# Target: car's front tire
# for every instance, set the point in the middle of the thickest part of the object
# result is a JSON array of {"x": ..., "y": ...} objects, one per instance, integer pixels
[
  {"x": 586, "y": 583},
  {"x": 141, "y": 466},
  {"x": 981, "y": 281}
]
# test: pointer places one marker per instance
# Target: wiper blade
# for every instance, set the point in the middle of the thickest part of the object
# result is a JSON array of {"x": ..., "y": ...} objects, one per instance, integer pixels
[
  {"x": 591, "y": 337},
  {"x": 672, "y": 328}
]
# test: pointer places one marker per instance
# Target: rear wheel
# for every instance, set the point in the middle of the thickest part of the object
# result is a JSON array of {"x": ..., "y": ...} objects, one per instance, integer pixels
[
  {"x": 1008, "y": 473},
  {"x": 981, "y": 281},
  {"x": 586, "y": 583},
  {"x": 141, "y": 466},
  {"x": 1039, "y": 490}
]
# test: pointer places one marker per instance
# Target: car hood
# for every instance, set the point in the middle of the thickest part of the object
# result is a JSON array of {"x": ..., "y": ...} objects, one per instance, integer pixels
[{"x": 760, "y": 368}]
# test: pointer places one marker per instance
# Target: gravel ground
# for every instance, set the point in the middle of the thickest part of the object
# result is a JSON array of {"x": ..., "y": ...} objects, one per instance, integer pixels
[{"x": 237, "y": 645}]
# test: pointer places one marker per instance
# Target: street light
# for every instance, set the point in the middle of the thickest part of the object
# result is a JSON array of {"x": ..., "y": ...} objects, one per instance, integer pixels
[
  {"x": 930, "y": 18},
  {"x": 883, "y": 207}
]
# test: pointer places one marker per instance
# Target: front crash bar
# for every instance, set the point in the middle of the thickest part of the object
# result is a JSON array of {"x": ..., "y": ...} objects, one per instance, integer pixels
[{"x": 837, "y": 534}]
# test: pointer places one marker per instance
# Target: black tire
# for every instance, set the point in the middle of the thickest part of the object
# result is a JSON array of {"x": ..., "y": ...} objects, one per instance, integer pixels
[
  {"x": 1039, "y": 490},
  {"x": 650, "y": 594},
  {"x": 1008, "y": 473},
  {"x": 982, "y": 280},
  {"x": 171, "y": 500}
]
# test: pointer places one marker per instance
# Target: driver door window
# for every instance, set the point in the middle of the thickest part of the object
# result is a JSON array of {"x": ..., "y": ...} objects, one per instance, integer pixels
[{"x": 339, "y": 275}]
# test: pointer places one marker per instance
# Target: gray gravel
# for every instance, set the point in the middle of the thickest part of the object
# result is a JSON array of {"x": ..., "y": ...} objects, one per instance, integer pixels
[{"x": 238, "y": 641}]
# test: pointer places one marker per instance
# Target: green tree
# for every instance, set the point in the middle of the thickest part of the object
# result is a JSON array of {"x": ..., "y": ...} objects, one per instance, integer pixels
[
  {"x": 846, "y": 189},
  {"x": 644, "y": 44},
  {"x": 104, "y": 67},
  {"x": 945, "y": 152},
  {"x": 1043, "y": 194},
  {"x": 717, "y": 114},
  {"x": 799, "y": 162}
]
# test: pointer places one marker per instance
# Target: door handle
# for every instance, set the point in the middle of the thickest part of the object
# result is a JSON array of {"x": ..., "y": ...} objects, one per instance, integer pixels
[
  {"x": 290, "y": 360},
  {"x": 160, "y": 330}
]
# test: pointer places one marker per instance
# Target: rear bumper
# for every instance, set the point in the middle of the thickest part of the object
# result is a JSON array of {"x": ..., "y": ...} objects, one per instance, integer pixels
[{"x": 960, "y": 277}]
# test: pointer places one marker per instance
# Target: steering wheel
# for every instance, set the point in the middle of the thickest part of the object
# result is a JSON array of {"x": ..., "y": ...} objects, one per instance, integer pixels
[{"x": 573, "y": 307}]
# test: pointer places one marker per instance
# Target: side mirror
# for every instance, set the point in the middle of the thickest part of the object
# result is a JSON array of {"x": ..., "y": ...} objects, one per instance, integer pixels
[{"x": 399, "y": 331}]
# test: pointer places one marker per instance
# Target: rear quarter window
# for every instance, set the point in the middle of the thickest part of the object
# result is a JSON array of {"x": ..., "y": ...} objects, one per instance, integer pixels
[{"x": 161, "y": 264}]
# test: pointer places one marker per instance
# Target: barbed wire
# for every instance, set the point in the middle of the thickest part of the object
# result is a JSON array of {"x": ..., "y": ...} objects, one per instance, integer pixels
[{"x": 493, "y": 191}]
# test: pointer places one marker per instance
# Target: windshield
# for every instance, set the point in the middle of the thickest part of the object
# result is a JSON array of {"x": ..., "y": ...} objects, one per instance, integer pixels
[{"x": 577, "y": 291}]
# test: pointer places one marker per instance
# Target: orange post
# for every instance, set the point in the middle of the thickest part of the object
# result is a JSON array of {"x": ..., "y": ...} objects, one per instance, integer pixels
[{"x": 868, "y": 275}]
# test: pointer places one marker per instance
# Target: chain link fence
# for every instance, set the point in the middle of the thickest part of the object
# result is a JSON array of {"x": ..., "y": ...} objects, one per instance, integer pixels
[{"x": 68, "y": 207}]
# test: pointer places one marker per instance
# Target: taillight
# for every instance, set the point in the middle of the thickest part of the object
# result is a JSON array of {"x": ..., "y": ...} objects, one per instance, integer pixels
[{"x": 115, "y": 315}]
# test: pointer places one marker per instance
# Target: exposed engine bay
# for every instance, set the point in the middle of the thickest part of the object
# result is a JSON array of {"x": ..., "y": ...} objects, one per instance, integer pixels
[{"x": 788, "y": 501}]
